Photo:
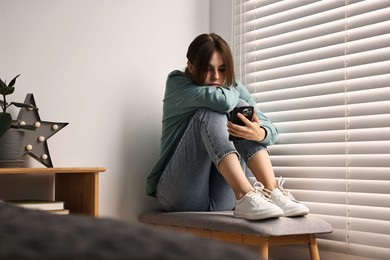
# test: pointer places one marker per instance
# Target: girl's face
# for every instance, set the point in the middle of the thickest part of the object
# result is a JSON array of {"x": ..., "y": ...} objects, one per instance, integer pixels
[{"x": 216, "y": 72}]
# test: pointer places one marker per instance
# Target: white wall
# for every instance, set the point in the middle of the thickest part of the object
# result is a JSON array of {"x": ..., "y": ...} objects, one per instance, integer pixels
[
  {"x": 100, "y": 65},
  {"x": 221, "y": 21}
]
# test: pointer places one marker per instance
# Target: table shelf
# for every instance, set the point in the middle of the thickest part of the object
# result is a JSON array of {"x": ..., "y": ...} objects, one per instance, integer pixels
[{"x": 78, "y": 187}]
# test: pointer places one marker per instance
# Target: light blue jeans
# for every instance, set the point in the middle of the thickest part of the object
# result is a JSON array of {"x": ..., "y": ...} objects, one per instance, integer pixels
[{"x": 191, "y": 181}]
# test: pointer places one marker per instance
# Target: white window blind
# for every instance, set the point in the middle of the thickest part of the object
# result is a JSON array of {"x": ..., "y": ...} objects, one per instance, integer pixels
[{"x": 321, "y": 71}]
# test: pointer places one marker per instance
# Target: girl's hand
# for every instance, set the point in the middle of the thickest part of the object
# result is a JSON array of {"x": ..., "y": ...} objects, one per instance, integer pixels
[{"x": 251, "y": 131}]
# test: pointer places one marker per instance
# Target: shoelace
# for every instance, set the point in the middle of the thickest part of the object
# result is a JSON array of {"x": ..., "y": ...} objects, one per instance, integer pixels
[
  {"x": 285, "y": 192},
  {"x": 260, "y": 196},
  {"x": 259, "y": 188}
]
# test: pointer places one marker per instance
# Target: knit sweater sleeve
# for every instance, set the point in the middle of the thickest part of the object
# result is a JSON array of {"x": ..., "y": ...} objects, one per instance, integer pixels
[
  {"x": 265, "y": 122},
  {"x": 183, "y": 96}
]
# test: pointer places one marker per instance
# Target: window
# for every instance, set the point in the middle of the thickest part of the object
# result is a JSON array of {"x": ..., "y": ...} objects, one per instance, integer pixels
[{"x": 321, "y": 71}]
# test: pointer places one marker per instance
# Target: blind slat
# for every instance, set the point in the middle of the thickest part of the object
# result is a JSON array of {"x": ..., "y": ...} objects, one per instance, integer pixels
[
  {"x": 361, "y": 173},
  {"x": 321, "y": 71}
]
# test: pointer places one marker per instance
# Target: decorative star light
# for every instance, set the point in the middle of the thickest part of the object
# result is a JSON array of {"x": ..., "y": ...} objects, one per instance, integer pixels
[{"x": 35, "y": 142}]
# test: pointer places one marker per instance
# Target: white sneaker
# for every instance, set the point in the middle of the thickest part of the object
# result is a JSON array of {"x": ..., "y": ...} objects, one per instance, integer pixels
[
  {"x": 254, "y": 205},
  {"x": 286, "y": 201}
]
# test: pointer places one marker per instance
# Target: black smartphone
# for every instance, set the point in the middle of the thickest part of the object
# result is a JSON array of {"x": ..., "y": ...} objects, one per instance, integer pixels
[{"x": 247, "y": 111}]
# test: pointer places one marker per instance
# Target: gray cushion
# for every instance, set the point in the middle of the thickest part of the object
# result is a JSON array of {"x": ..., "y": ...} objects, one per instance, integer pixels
[{"x": 224, "y": 221}]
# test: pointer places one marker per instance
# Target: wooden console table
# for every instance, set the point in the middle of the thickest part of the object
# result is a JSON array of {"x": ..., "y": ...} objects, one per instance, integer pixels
[{"x": 77, "y": 187}]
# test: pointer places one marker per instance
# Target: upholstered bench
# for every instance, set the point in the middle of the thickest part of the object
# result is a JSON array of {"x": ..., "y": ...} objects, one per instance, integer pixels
[{"x": 263, "y": 233}]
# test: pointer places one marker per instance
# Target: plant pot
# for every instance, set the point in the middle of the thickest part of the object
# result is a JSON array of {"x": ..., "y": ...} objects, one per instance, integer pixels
[{"x": 11, "y": 146}]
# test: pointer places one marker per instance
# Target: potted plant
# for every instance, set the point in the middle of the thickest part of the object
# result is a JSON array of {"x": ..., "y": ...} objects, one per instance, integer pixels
[{"x": 11, "y": 140}]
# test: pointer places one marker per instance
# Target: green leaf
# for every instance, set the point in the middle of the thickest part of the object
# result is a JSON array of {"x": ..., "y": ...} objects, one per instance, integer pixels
[
  {"x": 3, "y": 90},
  {"x": 13, "y": 81},
  {"x": 17, "y": 104},
  {"x": 5, "y": 123},
  {"x": 2, "y": 84},
  {"x": 7, "y": 90},
  {"x": 27, "y": 127}
]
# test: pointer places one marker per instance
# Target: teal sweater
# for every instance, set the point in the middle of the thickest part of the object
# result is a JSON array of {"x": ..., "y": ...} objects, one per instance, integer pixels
[{"x": 182, "y": 99}]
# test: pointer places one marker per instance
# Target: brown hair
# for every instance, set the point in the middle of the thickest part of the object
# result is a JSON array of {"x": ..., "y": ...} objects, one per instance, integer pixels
[{"x": 200, "y": 52}]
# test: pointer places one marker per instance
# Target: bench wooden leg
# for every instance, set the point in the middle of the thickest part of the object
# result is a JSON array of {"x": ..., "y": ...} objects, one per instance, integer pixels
[
  {"x": 263, "y": 248},
  {"x": 262, "y": 242},
  {"x": 313, "y": 247}
]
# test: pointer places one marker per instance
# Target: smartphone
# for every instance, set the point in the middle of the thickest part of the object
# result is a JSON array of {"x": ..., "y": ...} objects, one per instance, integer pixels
[{"x": 247, "y": 111}]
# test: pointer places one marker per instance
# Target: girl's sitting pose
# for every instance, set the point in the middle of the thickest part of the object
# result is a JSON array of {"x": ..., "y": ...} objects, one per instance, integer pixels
[{"x": 199, "y": 168}]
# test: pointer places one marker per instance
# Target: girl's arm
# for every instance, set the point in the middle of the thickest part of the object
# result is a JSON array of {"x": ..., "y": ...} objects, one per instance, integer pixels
[
  {"x": 264, "y": 121},
  {"x": 188, "y": 96}
]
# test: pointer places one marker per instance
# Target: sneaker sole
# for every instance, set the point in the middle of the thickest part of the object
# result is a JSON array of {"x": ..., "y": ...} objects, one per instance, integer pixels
[
  {"x": 295, "y": 213},
  {"x": 258, "y": 216}
]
